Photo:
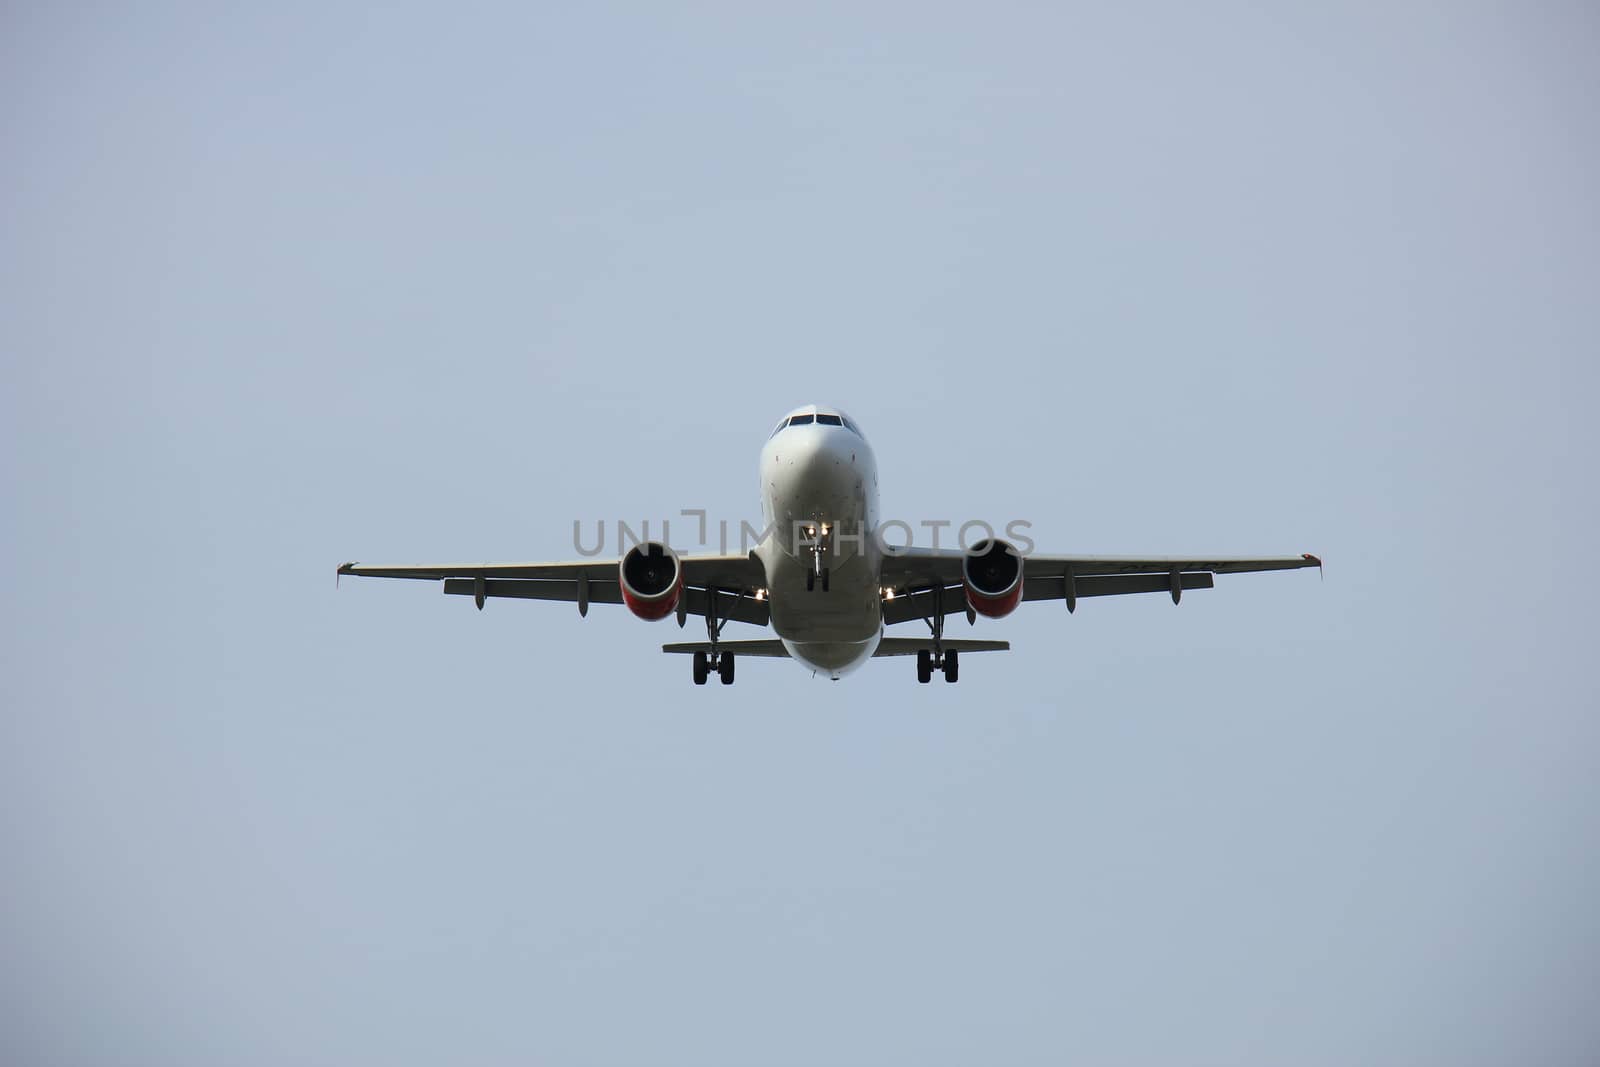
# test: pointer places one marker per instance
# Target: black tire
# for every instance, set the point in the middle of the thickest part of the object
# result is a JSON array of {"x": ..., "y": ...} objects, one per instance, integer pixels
[
  {"x": 701, "y": 668},
  {"x": 924, "y": 665},
  {"x": 725, "y": 668},
  {"x": 952, "y": 669},
  {"x": 811, "y": 580},
  {"x": 825, "y": 579}
]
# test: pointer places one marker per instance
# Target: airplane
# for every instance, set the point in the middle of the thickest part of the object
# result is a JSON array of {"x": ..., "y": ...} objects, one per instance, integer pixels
[{"x": 827, "y": 593}]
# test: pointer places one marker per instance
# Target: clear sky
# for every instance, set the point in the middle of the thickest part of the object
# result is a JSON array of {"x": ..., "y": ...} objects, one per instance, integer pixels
[{"x": 282, "y": 286}]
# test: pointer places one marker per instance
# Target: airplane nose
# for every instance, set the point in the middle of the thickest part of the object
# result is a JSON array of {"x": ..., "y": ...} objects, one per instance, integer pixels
[{"x": 811, "y": 456}]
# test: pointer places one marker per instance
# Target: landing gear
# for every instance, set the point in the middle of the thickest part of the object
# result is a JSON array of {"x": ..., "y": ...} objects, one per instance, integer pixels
[
  {"x": 937, "y": 657},
  {"x": 819, "y": 549},
  {"x": 927, "y": 661},
  {"x": 715, "y": 660}
]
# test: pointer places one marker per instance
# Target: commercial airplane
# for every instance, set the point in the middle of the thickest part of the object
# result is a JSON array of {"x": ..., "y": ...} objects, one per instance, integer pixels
[{"x": 829, "y": 590}]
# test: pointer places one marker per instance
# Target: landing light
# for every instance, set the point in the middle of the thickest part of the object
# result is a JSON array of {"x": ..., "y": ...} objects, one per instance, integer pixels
[
  {"x": 761, "y": 594},
  {"x": 888, "y": 594}
]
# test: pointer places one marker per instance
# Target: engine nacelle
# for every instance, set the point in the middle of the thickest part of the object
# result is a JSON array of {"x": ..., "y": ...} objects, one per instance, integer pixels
[
  {"x": 651, "y": 579},
  {"x": 992, "y": 571}
]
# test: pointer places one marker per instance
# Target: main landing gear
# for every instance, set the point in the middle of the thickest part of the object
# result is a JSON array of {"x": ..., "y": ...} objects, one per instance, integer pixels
[
  {"x": 715, "y": 660},
  {"x": 702, "y": 667},
  {"x": 937, "y": 658},
  {"x": 950, "y": 665}
]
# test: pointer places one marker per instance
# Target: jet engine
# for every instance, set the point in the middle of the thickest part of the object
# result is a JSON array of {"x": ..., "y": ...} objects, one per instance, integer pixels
[
  {"x": 992, "y": 571},
  {"x": 651, "y": 579}
]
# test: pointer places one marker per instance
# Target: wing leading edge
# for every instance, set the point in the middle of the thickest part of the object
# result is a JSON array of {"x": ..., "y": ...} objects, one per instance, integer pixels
[
  {"x": 888, "y": 646},
  {"x": 930, "y": 581},
  {"x": 585, "y": 582}
]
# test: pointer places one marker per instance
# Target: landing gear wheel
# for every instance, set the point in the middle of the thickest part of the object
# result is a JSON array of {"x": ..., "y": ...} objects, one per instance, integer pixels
[
  {"x": 811, "y": 580},
  {"x": 924, "y": 665},
  {"x": 725, "y": 668},
  {"x": 701, "y": 668},
  {"x": 952, "y": 669},
  {"x": 825, "y": 579}
]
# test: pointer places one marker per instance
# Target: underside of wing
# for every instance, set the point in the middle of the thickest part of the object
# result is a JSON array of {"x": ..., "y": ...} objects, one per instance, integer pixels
[
  {"x": 1041, "y": 566},
  {"x": 927, "y": 583},
  {"x": 758, "y": 649},
  {"x": 889, "y": 646},
  {"x": 733, "y": 582},
  {"x": 910, "y": 646}
]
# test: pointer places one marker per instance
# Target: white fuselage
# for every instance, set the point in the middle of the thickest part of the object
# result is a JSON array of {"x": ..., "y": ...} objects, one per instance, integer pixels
[{"x": 823, "y": 477}]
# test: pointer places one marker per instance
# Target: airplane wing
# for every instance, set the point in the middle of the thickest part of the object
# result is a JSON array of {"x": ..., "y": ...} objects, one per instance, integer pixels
[
  {"x": 929, "y": 580},
  {"x": 888, "y": 646},
  {"x": 585, "y": 582}
]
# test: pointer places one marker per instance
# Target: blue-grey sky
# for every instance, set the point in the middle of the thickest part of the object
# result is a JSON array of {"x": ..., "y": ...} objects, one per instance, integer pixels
[{"x": 286, "y": 285}]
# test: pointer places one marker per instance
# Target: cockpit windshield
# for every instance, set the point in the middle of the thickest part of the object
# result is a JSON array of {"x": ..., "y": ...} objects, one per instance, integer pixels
[{"x": 817, "y": 418}]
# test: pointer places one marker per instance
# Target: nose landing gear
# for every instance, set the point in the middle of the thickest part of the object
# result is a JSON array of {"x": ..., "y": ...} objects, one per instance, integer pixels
[{"x": 818, "y": 548}]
